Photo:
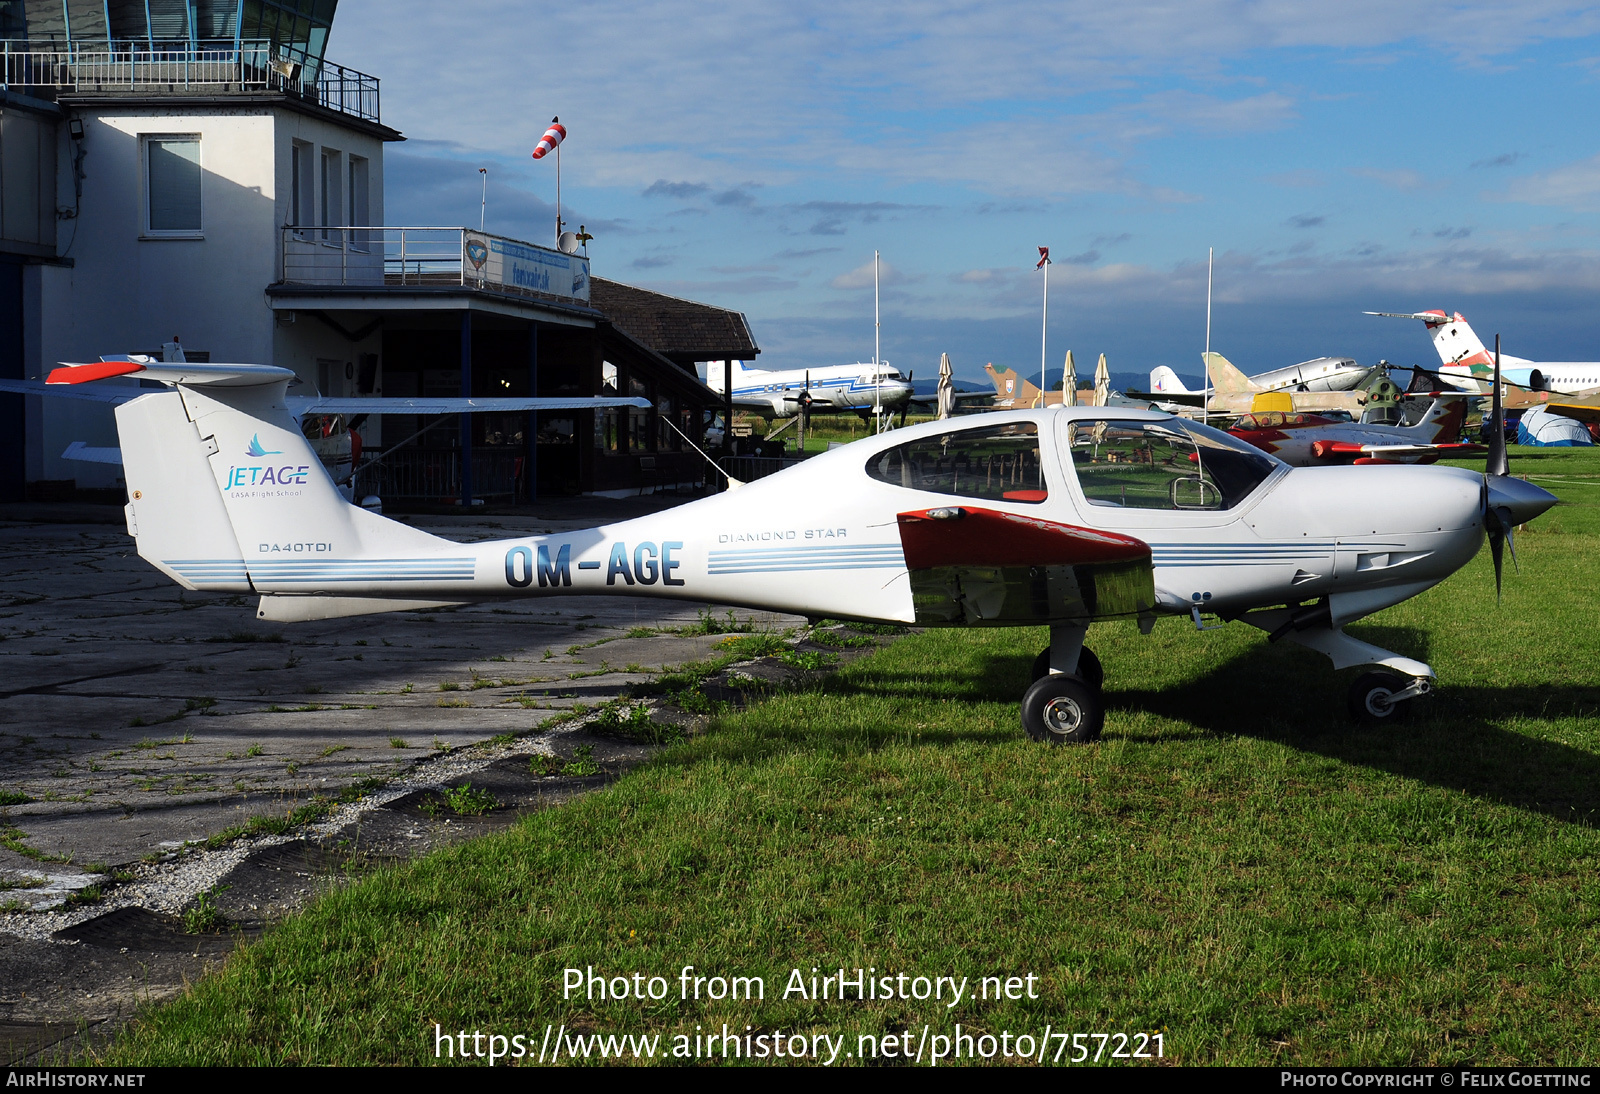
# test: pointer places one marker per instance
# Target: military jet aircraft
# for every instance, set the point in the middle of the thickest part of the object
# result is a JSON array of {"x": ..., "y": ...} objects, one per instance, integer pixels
[
  {"x": 1307, "y": 440},
  {"x": 1059, "y": 517}
]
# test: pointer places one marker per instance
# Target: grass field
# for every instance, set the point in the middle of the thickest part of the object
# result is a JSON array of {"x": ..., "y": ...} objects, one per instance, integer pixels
[{"x": 1233, "y": 866}]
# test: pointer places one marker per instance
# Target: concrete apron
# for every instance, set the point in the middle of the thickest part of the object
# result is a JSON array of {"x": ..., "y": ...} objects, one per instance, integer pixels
[{"x": 136, "y": 719}]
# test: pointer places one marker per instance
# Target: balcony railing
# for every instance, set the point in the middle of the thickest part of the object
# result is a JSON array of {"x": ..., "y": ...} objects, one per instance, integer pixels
[
  {"x": 210, "y": 67},
  {"x": 367, "y": 256}
]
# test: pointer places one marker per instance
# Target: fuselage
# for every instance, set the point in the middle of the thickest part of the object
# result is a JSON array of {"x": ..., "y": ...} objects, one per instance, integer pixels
[
  {"x": 781, "y": 393},
  {"x": 821, "y": 538},
  {"x": 1321, "y": 374}
]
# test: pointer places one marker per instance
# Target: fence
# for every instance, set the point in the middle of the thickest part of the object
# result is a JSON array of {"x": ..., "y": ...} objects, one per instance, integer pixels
[
  {"x": 214, "y": 66},
  {"x": 435, "y": 474},
  {"x": 366, "y": 255}
]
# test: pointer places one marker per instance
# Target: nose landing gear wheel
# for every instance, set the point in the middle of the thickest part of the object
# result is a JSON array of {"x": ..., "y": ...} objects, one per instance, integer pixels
[
  {"x": 1089, "y": 670},
  {"x": 1371, "y": 701},
  {"x": 1062, "y": 709}
]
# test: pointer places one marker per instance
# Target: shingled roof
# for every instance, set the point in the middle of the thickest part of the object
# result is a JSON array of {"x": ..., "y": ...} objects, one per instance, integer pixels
[{"x": 683, "y": 331}]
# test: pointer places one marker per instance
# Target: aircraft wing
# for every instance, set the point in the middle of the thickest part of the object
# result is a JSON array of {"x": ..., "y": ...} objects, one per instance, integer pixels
[
  {"x": 1180, "y": 398},
  {"x": 111, "y": 395},
  {"x": 932, "y": 399},
  {"x": 1397, "y": 452},
  {"x": 69, "y": 382},
  {"x": 982, "y": 567},
  {"x": 377, "y": 405}
]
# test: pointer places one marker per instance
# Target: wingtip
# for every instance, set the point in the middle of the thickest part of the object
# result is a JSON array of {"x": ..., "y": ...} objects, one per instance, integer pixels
[{"x": 100, "y": 370}]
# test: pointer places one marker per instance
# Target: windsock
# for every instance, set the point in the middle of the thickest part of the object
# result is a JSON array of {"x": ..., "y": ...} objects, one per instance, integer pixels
[
  {"x": 552, "y": 137},
  {"x": 1044, "y": 258}
]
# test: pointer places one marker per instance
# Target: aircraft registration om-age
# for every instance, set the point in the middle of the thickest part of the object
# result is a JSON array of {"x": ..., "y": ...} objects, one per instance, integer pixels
[{"x": 1059, "y": 517}]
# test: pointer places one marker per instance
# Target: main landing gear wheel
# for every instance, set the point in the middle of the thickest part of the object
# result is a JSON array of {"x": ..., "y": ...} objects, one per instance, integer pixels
[
  {"x": 1062, "y": 709},
  {"x": 1089, "y": 670},
  {"x": 1371, "y": 698}
]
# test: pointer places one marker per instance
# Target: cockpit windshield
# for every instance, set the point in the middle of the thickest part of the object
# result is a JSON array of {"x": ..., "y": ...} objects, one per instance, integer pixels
[{"x": 1168, "y": 464}]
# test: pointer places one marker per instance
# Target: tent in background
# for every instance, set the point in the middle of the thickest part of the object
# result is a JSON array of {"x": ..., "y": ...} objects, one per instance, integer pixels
[{"x": 1540, "y": 427}]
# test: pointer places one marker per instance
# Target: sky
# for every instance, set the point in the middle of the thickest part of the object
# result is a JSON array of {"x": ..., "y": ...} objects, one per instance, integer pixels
[{"x": 1387, "y": 156}]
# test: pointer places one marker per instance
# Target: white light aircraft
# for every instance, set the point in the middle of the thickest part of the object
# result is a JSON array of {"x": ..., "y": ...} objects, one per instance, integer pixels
[
  {"x": 781, "y": 393},
  {"x": 1059, "y": 517},
  {"x": 1468, "y": 365}
]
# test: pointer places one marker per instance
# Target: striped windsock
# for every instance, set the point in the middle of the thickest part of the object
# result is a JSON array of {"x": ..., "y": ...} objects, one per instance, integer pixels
[{"x": 552, "y": 137}]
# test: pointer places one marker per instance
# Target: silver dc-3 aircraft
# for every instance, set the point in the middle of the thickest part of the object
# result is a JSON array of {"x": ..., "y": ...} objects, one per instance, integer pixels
[
  {"x": 1059, "y": 517},
  {"x": 782, "y": 393}
]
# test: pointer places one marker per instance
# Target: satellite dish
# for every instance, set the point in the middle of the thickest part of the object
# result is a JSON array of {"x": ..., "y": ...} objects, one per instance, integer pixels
[{"x": 567, "y": 243}]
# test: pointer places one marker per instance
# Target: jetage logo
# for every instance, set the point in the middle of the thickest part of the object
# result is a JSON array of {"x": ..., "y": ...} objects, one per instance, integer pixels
[{"x": 254, "y": 448}]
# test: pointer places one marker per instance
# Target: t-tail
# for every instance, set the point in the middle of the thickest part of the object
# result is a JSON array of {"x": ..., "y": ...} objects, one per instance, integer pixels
[{"x": 1461, "y": 351}]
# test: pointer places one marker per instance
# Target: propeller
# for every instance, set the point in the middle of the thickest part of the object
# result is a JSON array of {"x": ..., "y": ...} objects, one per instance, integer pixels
[
  {"x": 906, "y": 406},
  {"x": 1497, "y": 465},
  {"x": 1507, "y": 502}
]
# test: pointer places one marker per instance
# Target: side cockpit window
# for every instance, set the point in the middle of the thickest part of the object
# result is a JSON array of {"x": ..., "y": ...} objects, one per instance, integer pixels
[
  {"x": 997, "y": 463},
  {"x": 1173, "y": 464}
]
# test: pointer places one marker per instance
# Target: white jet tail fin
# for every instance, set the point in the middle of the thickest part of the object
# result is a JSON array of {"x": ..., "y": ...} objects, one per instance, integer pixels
[
  {"x": 1441, "y": 422},
  {"x": 1164, "y": 381},
  {"x": 1453, "y": 338}
]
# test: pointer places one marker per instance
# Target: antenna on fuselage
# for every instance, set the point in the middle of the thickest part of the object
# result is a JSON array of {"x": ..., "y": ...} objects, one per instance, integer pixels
[{"x": 733, "y": 483}]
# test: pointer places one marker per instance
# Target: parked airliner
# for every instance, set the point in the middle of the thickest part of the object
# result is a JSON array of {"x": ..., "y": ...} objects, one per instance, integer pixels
[
  {"x": 858, "y": 387},
  {"x": 1469, "y": 366}
]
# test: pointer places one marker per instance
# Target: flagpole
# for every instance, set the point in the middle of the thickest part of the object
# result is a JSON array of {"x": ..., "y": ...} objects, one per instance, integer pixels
[
  {"x": 877, "y": 336},
  {"x": 1044, "y": 330},
  {"x": 1205, "y": 388},
  {"x": 558, "y": 196},
  {"x": 483, "y": 203}
]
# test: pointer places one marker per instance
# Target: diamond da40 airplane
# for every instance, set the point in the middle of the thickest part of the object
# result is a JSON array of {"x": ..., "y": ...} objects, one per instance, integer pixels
[{"x": 1060, "y": 517}]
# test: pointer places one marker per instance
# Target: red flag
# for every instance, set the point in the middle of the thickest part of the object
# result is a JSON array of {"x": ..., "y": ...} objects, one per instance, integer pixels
[
  {"x": 552, "y": 137},
  {"x": 1044, "y": 258}
]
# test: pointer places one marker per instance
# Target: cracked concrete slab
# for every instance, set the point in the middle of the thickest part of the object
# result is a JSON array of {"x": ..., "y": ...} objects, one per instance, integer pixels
[{"x": 134, "y": 713}]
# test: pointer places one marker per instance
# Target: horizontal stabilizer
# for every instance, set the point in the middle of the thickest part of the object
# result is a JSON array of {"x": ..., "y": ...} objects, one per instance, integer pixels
[
  {"x": 1183, "y": 398},
  {"x": 1432, "y": 318},
  {"x": 83, "y": 453},
  {"x": 305, "y": 609},
  {"x": 189, "y": 375}
]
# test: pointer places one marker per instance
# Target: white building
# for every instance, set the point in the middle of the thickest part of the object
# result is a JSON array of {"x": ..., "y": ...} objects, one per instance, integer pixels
[{"x": 195, "y": 171}]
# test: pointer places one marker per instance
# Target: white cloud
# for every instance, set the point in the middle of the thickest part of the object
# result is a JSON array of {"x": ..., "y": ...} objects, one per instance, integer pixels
[
  {"x": 773, "y": 91},
  {"x": 1574, "y": 186},
  {"x": 862, "y": 277},
  {"x": 1399, "y": 179}
]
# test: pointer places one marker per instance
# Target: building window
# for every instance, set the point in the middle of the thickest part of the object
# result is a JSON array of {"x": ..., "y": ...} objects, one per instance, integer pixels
[
  {"x": 172, "y": 186},
  {"x": 301, "y": 186},
  {"x": 360, "y": 209},
  {"x": 332, "y": 200}
]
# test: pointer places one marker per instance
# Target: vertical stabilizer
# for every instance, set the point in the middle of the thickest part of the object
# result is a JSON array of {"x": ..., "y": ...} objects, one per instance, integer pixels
[
  {"x": 1225, "y": 379},
  {"x": 175, "y": 512},
  {"x": 1164, "y": 381},
  {"x": 1458, "y": 344},
  {"x": 1441, "y": 423},
  {"x": 294, "y": 530}
]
